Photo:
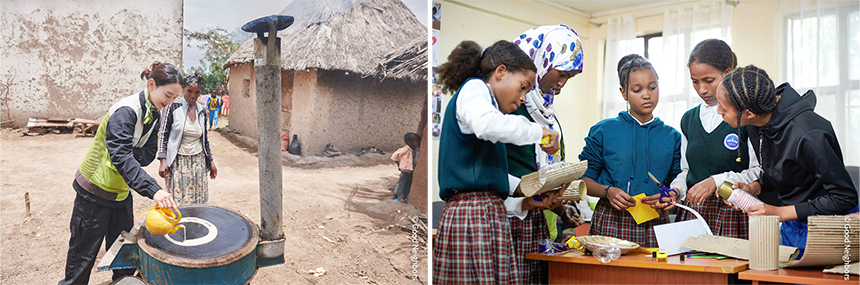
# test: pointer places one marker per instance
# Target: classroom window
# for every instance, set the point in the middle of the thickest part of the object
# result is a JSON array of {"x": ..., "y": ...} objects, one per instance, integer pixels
[{"x": 823, "y": 55}]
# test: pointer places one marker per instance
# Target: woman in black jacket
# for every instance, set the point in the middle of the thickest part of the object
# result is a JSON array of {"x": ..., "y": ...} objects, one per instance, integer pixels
[{"x": 803, "y": 170}]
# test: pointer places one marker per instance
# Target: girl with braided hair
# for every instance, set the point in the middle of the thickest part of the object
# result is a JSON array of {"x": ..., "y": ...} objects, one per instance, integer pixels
[
  {"x": 709, "y": 145},
  {"x": 622, "y": 151},
  {"x": 803, "y": 171},
  {"x": 473, "y": 245}
]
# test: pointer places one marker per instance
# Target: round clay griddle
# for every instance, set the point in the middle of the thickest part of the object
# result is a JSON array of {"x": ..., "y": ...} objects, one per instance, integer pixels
[{"x": 216, "y": 236}]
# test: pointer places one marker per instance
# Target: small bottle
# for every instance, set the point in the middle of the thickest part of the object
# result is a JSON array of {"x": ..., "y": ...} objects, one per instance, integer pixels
[{"x": 737, "y": 197}]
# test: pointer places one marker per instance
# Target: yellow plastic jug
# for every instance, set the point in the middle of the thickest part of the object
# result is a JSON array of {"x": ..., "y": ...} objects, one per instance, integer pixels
[{"x": 162, "y": 221}]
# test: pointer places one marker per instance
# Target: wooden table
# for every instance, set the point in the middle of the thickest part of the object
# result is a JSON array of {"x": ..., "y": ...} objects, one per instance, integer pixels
[
  {"x": 796, "y": 276},
  {"x": 638, "y": 268}
]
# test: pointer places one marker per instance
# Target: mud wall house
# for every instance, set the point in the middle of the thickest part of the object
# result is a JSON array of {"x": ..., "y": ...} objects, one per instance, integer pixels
[
  {"x": 410, "y": 63},
  {"x": 331, "y": 89},
  {"x": 74, "y": 59}
]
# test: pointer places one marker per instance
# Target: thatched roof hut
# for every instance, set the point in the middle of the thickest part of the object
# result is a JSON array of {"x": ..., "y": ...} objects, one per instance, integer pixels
[
  {"x": 355, "y": 69},
  {"x": 409, "y": 62},
  {"x": 348, "y": 35}
]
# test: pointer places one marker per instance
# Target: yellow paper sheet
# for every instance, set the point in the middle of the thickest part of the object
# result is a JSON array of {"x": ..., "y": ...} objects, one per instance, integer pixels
[{"x": 642, "y": 212}]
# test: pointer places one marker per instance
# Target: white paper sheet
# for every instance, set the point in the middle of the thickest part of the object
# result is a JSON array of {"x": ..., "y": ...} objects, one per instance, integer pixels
[{"x": 671, "y": 236}]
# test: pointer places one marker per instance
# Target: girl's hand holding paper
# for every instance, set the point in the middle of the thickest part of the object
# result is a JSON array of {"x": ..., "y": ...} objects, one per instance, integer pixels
[{"x": 642, "y": 212}]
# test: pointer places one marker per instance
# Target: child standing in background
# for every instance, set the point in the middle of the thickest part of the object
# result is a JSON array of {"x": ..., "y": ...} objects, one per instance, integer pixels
[
  {"x": 213, "y": 104},
  {"x": 622, "y": 151},
  {"x": 474, "y": 245},
  {"x": 406, "y": 158}
]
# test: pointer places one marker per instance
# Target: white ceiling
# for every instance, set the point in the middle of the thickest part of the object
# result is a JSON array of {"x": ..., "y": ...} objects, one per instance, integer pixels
[{"x": 592, "y": 8}]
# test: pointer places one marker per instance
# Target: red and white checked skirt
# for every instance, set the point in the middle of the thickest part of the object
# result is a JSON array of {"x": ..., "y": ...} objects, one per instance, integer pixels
[
  {"x": 723, "y": 220},
  {"x": 607, "y": 221},
  {"x": 526, "y": 234},
  {"x": 473, "y": 242}
]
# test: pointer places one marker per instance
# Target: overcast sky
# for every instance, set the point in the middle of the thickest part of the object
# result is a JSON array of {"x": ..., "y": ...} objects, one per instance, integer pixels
[{"x": 200, "y": 15}]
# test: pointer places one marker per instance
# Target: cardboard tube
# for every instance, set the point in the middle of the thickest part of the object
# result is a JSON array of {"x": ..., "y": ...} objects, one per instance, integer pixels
[
  {"x": 575, "y": 192},
  {"x": 764, "y": 242}
]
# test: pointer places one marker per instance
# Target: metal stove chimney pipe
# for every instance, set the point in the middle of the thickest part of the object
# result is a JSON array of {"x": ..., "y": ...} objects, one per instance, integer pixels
[{"x": 267, "y": 70}]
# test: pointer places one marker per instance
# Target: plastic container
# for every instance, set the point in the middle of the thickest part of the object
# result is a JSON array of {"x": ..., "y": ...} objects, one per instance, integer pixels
[
  {"x": 737, "y": 197},
  {"x": 542, "y": 172},
  {"x": 606, "y": 253}
]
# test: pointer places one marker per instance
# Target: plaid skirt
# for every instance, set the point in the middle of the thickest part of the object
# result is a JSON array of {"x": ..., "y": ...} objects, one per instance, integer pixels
[
  {"x": 473, "y": 242},
  {"x": 526, "y": 234},
  {"x": 723, "y": 220},
  {"x": 188, "y": 179},
  {"x": 607, "y": 221}
]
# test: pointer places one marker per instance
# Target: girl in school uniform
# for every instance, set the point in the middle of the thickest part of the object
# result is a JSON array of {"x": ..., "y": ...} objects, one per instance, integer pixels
[
  {"x": 473, "y": 245},
  {"x": 803, "y": 171},
  {"x": 621, "y": 151},
  {"x": 557, "y": 53},
  {"x": 710, "y": 147}
]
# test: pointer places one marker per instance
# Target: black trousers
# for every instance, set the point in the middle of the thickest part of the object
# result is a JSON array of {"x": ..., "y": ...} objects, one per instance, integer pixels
[
  {"x": 403, "y": 186},
  {"x": 91, "y": 224}
]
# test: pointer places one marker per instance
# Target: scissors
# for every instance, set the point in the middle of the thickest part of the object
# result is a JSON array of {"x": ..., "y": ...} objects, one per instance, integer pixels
[{"x": 664, "y": 191}]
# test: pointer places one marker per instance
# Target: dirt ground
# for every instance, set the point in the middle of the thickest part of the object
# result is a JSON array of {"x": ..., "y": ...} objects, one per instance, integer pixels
[{"x": 339, "y": 219}]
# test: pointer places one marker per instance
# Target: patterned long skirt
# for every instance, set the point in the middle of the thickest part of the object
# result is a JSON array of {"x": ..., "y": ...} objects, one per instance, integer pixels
[
  {"x": 473, "y": 244},
  {"x": 188, "y": 179},
  {"x": 608, "y": 221},
  {"x": 526, "y": 234},
  {"x": 723, "y": 220}
]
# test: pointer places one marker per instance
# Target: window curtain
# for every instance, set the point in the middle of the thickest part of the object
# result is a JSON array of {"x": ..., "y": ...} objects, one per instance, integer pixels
[
  {"x": 682, "y": 30},
  {"x": 620, "y": 41},
  {"x": 821, "y": 52}
]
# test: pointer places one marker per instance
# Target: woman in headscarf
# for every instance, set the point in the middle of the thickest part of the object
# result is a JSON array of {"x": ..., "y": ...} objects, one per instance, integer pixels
[
  {"x": 557, "y": 53},
  {"x": 183, "y": 147}
]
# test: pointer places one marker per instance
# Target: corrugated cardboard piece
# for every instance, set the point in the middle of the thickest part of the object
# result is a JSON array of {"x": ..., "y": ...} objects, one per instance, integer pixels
[
  {"x": 531, "y": 185},
  {"x": 575, "y": 192},
  {"x": 828, "y": 239},
  {"x": 764, "y": 245},
  {"x": 733, "y": 247}
]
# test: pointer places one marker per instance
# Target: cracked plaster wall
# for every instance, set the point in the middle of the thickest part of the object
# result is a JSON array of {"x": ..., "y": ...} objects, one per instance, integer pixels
[{"x": 75, "y": 58}]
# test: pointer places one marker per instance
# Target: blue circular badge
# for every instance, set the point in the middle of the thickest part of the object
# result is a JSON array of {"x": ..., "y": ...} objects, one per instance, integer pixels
[{"x": 731, "y": 141}]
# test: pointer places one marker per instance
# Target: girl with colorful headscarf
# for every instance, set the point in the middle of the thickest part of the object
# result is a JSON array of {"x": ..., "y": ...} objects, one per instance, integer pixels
[
  {"x": 183, "y": 147},
  {"x": 557, "y": 53}
]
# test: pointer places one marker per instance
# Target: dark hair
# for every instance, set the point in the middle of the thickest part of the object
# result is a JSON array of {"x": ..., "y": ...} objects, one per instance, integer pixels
[
  {"x": 411, "y": 137},
  {"x": 625, "y": 59},
  {"x": 714, "y": 52},
  {"x": 467, "y": 60},
  {"x": 631, "y": 63},
  {"x": 750, "y": 88},
  {"x": 163, "y": 74}
]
